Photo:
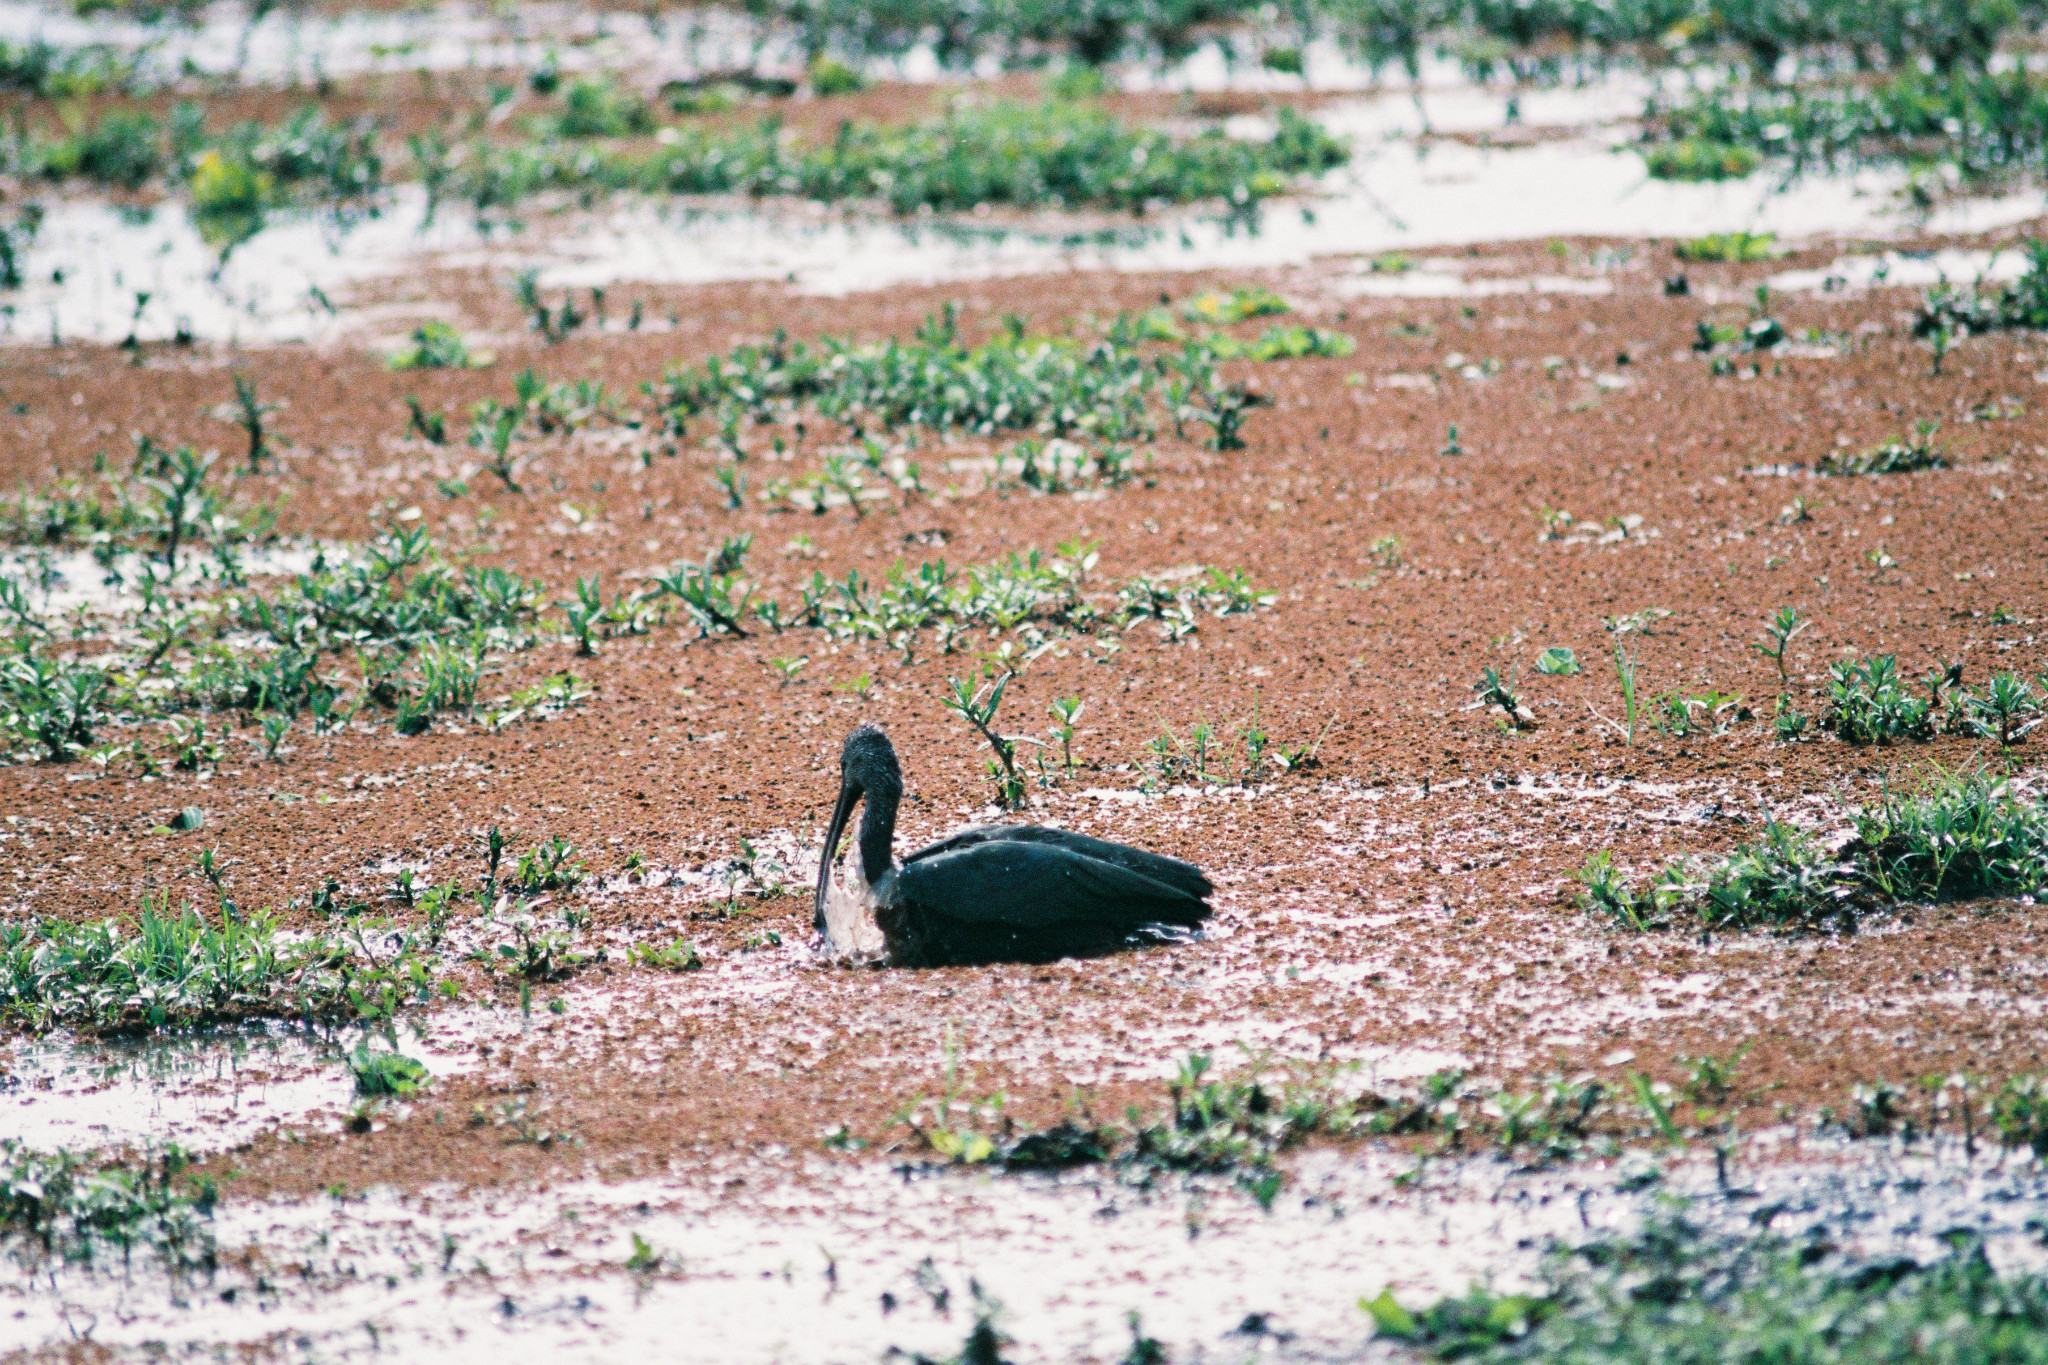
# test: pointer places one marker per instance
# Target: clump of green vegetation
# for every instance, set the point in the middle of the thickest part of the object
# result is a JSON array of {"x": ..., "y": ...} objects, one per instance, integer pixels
[
  {"x": 437, "y": 346},
  {"x": 1220, "y": 308},
  {"x": 1903, "y": 456},
  {"x": 1675, "y": 1291},
  {"x": 1236, "y": 1122},
  {"x": 382, "y": 1073},
  {"x": 174, "y": 968},
  {"x": 166, "y": 500},
  {"x": 1072, "y": 155},
  {"x": 1729, "y": 246},
  {"x": 41, "y": 68},
  {"x": 535, "y": 951},
  {"x": 67, "y": 1209},
  {"x": 1108, "y": 392},
  {"x": 233, "y": 178},
  {"x": 551, "y": 865},
  {"x": 1239, "y": 755},
  {"x": 1212, "y": 1124},
  {"x": 50, "y": 707},
  {"x": 2023, "y": 303},
  {"x": 680, "y": 956},
  {"x": 1286, "y": 343},
  {"x": 595, "y": 107},
  {"x": 1698, "y": 158},
  {"x": 1869, "y": 702},
  {"x": 1960, "y": 836},
  {"x": 829, "y": 78},
  {"x": 1986, "y": 125}
]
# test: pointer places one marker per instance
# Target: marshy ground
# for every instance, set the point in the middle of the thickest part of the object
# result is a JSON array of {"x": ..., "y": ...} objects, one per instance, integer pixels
[{"x": 450, "y": 753}]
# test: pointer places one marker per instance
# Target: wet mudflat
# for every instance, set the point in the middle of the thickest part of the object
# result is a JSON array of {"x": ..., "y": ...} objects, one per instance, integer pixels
[{"x": 642, "y": 1100}]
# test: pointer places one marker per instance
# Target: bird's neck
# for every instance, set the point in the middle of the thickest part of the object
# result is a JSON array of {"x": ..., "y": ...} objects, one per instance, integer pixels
[{"x": 877, "y": 834}]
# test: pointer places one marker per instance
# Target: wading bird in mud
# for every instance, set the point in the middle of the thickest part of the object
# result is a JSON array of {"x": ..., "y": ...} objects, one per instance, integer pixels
[{"x": 992, "y": 893}]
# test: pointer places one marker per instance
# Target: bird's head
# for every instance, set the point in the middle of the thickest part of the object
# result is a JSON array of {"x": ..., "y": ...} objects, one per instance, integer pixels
[{"x": 867, "y": 771}]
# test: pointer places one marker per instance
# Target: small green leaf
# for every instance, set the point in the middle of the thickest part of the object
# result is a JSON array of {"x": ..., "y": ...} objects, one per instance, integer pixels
[{"x": 1389, "y": 1317}]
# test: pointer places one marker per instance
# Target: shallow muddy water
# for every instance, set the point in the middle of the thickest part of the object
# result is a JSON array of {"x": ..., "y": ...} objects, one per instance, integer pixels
[
  {"x": 320, "y": 278},
  {"x": 852, "y": 1257},
  {"x": 211, "y": 1089}
]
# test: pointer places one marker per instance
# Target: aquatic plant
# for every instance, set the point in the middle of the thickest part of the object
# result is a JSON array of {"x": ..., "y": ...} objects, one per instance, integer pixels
[
  {"x": 1983, "y": 124},
  {"x": 436, "y": 346},
  {"x": 380, "y": 1072},
  {"x": 1736, "y": 246}
]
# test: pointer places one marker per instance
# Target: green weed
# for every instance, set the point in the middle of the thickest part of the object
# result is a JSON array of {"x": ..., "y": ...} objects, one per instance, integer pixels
[
  {"x": 1729, "y": 246},
  {"x": 1959, "y": 836},
  {"x": 381, "y": 1073},
  {"x": 436, "y": 346},
  {"x": 1904, "y": 456},
  {"x": 1779, "y": 632},
  {"x": 174, "y": 968},
  {"x": 1750, "y": 1296}
]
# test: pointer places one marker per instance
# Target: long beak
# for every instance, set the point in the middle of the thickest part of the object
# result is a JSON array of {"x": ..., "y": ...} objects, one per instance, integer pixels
[{"x": 848, "y": 794}]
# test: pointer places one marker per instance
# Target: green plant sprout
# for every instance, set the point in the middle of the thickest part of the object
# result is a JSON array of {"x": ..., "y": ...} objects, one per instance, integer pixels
[
  {"x": 977, "y": 706},
  {"x": 1779, "y": 631},
  {"x": 250, "y": 415}
]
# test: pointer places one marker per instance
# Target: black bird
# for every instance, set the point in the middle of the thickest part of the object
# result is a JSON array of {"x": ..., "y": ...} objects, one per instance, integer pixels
[{"x": 992, "y": 893}]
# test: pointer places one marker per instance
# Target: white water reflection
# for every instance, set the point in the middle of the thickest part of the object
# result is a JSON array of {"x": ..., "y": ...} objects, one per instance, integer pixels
[
  {"x": 59, "y": 583},
  {"x": 208, "y": 1089}
]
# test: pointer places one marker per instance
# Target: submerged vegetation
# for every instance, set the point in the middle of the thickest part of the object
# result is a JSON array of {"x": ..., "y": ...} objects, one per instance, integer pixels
[
  {"x": 1962, "y": 835},
  {"x": 58, "y": 1206}
]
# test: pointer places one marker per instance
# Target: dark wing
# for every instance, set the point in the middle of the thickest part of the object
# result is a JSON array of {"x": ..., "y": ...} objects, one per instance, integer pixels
[
  {"x": 1185, "y": 878},
  {"x": 1022, "y": 900}
]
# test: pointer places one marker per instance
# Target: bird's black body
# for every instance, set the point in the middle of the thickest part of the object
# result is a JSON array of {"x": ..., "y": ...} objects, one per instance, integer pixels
[{"x": 999, "y": 893}]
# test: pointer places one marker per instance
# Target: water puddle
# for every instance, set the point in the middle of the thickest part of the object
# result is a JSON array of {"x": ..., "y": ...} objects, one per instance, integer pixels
[
  {"x": 64, "y": 583},
  {"x": 210, "y": 1089},
  {"x": 1905, "y": 270}
]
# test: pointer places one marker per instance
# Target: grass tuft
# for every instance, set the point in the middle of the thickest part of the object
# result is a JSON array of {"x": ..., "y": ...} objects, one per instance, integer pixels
[{"x": 1961, "y": 836}]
